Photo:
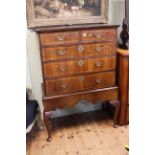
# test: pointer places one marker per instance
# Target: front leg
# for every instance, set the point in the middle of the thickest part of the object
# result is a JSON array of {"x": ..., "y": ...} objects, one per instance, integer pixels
[
  {"x": 47, "y": 122},
  {"x": 116, "y": 105}
]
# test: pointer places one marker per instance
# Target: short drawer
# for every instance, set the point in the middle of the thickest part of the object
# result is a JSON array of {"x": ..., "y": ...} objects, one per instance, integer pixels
[
  {"x": 56, "y": 53},
  {"x": 78, "y": 51},
  {"x": 98, "y": 35},
  {"x": 105, "y": 48},
  {"x": 63, "y": 85},
  {"x": 106, "y": 95},
  {"x": 62, "y": 68},
  {"x": 59, "y": 38},
  {"x": 62, "y": 102},
  {"x": 104, "y": 64},
  {"x": 99, "y": 80},
  {"x": 66, "y": 52},
  {"x": 81, "y": 82}
]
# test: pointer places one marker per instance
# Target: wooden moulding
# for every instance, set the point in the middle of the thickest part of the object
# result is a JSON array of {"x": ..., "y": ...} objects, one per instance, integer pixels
[
  {"x": 79, "y": 83},
  {"x": 63, "y": 28}
]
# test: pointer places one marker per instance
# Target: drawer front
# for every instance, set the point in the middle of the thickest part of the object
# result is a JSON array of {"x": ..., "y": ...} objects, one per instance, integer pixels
[
  {"x": 101, "y": 96},
  {"x": 82, "y": 82},
  {"x": 70, "y": 101},
  {"x": 63, "y": 85},
  {"x": 104, "y": 64},
  {"x": 99, "y": 80},
  {"x": 59, "y": 38},
  {"x": 56, "y": 53},
  {"x": 66, "y": 52},
  {"x": 56, "y": 69},
  {"x": 59, "y": 103},
  {"x": 78, "y": 51},
  {"x": 106, "y": 48},
  {"x": 98, "y": 35}
]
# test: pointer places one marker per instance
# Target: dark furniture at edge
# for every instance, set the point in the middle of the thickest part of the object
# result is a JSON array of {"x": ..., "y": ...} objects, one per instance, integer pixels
[
  {"x": 31, "y": 110},
  {"x": 123, "y": 83}
]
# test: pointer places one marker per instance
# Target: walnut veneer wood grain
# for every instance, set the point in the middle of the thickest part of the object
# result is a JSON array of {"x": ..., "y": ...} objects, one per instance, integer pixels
[
  {"x": 69, "y": 101},
  {"x": 70, "y": 67},
  {"x": 98, "y": 35},
  {"x": 78, "y": 51},
  {"x": 70, "y": 37},
  {"x": 78, "y": 62},
  {"x": 59, "y": 38},
  {"x": 80, "y": 82}
]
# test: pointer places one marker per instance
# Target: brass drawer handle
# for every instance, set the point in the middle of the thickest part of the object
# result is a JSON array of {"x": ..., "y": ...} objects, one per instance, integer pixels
[
  {"x": 60, "y": 38},
  {"x": 98, "y": 49},
  {"x": 98, "y": 64},
  {"x": 64, "y": 85},
  {"x": 90, "y": 34},
  {"x": 98, "y": 81},
  {"x": 80, "y": 62},
  {"x": 84, "y": 34},
  {"x": 61, "y": 52},
  {"x": 62, "y": 68},
  {"x": 80, "y": 48},
  {"x": 100, "y": 35}
]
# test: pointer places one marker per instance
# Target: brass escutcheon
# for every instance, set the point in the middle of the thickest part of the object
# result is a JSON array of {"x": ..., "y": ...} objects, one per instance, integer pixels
[
  {"x": 81, "y": 78},
  {"x": 80, "y": 62},
  {"x": 98, "y": 81},
  {"x": 80, "y": 48}
]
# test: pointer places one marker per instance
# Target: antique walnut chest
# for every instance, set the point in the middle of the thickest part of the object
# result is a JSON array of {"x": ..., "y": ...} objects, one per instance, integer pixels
[{"x": 78, "y": 63}]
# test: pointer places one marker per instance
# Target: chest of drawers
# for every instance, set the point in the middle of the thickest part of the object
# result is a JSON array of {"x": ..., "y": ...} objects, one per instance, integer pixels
[{"x": 78, "y": 62}]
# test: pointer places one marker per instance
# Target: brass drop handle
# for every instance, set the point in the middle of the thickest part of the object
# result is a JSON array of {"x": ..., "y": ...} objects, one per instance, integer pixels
[
  {"x": 98, "y": 81},
  {"x": 84, "y": 34},
  {"x": 60, "y": 38},
  {"x": 99, "y": 35},
  {"x": 64, "y": 85},
  {"x": 90, "y": 34},
  {"x": 80, "y": 48},
  {"x": 80, "y": 62},
  {"x": 98, "y": 49},
  {"x": 98, "y": 64},
  {"x": 62, "y": 68},
  {"x": 61, "y": 52}
]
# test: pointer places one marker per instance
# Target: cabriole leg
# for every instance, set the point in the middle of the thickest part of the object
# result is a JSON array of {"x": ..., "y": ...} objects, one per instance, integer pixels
[{"x": 47, "y": 122}]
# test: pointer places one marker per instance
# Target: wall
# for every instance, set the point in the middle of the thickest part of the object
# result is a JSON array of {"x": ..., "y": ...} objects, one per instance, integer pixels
[
  {"x": 33, "y": 71},
  {"x": 117, "y": 13},
  {"x": 28, "y": 76}
]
